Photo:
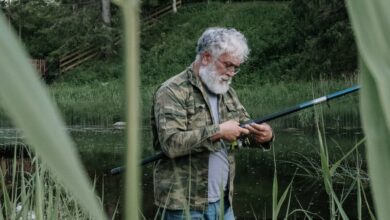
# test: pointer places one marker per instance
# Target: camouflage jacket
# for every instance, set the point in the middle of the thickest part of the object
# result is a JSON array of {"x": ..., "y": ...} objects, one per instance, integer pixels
[{"x": 182, "y": 126}]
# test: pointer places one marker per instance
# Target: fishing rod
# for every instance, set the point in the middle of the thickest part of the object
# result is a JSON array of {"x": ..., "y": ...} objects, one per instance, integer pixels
[{"x": 270, "y": 117}]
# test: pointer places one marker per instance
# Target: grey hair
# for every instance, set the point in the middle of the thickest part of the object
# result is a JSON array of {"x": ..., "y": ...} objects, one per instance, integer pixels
[{"x": 218, "y": 41}]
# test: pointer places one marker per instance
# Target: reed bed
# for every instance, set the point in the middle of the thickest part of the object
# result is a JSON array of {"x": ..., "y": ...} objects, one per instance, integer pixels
[{"x": 29, "y": 190}]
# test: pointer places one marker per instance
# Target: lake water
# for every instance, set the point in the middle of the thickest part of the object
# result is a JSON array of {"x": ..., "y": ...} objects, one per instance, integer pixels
[{"x": 295, "y": 151}]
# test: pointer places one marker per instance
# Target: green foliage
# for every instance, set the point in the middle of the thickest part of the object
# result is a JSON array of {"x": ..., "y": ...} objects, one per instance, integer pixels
[
  {"x": 93, "y": 72},
  {"x": 53, "y": 28},
  {"x": 93, "y": 103},
  {"x": 168, "y": 47},
  {"x": 287, "y": 42},
  {"x": 92, "y": 93},
  {"x": 323, "y": 35}
]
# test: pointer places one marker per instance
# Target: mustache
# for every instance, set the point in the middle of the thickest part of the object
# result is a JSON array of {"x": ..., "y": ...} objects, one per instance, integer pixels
[{"x": 226, "y": 79}]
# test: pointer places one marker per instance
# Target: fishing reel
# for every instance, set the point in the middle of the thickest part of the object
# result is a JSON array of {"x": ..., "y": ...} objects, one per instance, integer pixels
[{"x": 238, "y": 144}]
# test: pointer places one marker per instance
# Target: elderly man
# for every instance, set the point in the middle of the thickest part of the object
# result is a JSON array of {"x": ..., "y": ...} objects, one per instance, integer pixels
[{"x": 196, "y": 116}]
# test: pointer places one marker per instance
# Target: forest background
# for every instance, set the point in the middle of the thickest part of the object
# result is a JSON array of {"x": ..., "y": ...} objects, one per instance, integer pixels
[{"x": 299, "y": 48}]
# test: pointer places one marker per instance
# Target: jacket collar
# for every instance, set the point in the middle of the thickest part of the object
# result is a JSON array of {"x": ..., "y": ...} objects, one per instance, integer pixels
[{"x": 194, "y": 78}]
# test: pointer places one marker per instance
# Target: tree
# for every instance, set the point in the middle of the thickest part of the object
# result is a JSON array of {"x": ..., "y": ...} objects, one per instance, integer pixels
[
  {"x": 106, "y": 12},
  {"x": 174, "y": 6}
]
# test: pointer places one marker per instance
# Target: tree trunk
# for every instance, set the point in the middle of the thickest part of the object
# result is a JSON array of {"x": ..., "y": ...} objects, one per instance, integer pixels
[
  {"x": 174, "y": 6},
  {"x": 9, "y": 13},
  {"x": 106, "y": 12}
]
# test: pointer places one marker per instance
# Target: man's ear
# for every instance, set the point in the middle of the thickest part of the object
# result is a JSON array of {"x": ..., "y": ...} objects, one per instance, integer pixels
[{"x": 206, "y": 58}]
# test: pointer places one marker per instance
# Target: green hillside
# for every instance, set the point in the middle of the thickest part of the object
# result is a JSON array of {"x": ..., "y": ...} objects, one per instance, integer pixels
[{"x": 270, "y": 80}]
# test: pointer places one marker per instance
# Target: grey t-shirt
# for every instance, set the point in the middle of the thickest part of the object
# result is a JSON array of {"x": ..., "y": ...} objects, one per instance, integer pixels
[{"x": 218, "y": 161}]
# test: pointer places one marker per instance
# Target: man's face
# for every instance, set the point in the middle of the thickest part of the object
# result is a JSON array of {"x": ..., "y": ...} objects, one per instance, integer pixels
[{"x": 218, "y": 73}]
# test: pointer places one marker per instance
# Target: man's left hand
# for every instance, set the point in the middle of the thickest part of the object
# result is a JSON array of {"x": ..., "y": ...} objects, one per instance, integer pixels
[{"x": 262, "y": 132}]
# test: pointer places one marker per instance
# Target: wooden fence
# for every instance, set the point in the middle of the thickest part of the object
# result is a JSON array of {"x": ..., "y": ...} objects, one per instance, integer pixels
[
  {"x": 75, "y": 58},
  {"x": 159, "y": 13},
  {"x": 40, "y": 66}
]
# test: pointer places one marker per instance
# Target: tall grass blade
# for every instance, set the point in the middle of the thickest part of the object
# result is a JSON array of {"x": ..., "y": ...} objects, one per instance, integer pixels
[
  {"x": 29, "y": 106},
  {"x": 39, "y": 194},
  {"x": 288, "y": 205},
  {"x": 50, "y": 202},
  {"x": 131, "y": 24},
  {"x": 1, "y": 212},
  {"x": 337, "y": 163},
  {"x": 371, "y": 26},
  {"x": 338, "y": 203},
  {"x": 283, "y": 197},
  {"x": 277, "y": 204},
  {"x": 23, "y": 194},
  {"x": 304, "y": 211},
  {"x": 274, "y": 190},
  {"x": 14, "y": 166},
  {"x": 359, "y": 183},
  {"x": 326, "y": 174},
  {"x": 324, "y": 162},
  {"x": 372, "y": 216},
  {"x": 6, "y": 203}
]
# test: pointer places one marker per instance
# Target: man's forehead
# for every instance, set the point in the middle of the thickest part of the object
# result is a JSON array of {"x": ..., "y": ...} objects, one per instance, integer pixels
[{"x": 226, "y": 57}]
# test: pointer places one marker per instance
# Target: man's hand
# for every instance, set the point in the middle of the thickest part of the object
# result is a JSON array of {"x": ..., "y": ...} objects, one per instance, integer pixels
[
  {"x": 229, "y": 131},
  {"x": 262, "y": 132}
]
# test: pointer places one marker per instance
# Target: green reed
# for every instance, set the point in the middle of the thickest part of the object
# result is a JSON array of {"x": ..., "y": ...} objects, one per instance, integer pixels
[
  {"x": 26, "y": 101},
  {"x": 370, "y": 26},
  {"x": 30, "y": 191},
  {"x": 131, "y": 30}
]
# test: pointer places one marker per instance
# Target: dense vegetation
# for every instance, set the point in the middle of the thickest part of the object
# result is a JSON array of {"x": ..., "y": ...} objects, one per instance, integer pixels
[
  {"x": 289, "y": 40},
  {"x": 49, "y": 29},
  {"x": 293, "y": 44},
  {"x": 280, "y": 88}
]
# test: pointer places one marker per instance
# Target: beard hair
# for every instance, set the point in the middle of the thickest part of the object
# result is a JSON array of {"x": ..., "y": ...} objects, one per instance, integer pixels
[{"x": 216, "y": 83}]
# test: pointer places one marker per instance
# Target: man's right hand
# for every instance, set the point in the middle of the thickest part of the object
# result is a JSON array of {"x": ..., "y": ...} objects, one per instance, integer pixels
[{"x": 229, "y": 131}]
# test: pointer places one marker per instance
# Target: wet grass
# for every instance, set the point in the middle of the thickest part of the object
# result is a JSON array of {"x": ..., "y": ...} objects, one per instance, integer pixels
[{"x": 102, "y": 104}]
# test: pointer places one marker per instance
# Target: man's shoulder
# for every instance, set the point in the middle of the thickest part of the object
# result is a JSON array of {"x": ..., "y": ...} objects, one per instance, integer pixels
[
  {"x": 232, "y": 93},
  {"x": 179, "y": 82}
]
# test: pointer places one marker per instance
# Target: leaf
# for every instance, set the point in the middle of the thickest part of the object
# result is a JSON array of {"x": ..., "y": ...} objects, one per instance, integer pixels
[
  {"x": 371, "y": 25},
  {"x": 29, "y": 106}
]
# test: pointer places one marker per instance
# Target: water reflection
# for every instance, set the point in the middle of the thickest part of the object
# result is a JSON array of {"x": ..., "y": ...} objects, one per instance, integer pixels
[{"x": 103, "y": 149}]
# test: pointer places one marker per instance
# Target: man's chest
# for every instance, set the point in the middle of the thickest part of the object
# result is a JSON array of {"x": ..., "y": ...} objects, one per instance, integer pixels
[{"x": 199, "y": 113}]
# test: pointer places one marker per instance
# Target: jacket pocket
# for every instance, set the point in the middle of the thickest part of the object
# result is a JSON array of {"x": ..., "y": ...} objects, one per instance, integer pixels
[
  {"x": 233, "y": 113},
  {"x": 197, "y": 116}
]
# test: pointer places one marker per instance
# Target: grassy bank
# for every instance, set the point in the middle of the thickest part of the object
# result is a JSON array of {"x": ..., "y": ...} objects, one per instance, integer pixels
[
  {"x": 103, "y": 103},
  {"x": 93, "y": 93}
]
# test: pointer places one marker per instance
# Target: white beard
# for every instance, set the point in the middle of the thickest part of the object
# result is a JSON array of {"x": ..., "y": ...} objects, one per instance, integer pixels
[{"x": 216, "y": 83}]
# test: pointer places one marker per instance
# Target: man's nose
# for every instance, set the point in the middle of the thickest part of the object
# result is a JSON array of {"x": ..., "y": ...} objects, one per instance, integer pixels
[{"x": 230, "y": 72}]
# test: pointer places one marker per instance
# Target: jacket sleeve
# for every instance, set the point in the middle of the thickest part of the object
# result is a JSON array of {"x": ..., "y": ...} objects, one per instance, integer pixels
[{"x": 175, "y": 138}]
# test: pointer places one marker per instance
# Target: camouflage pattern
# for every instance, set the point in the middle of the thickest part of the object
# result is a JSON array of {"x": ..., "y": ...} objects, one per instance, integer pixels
[{"x": 182, "y": 126}]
